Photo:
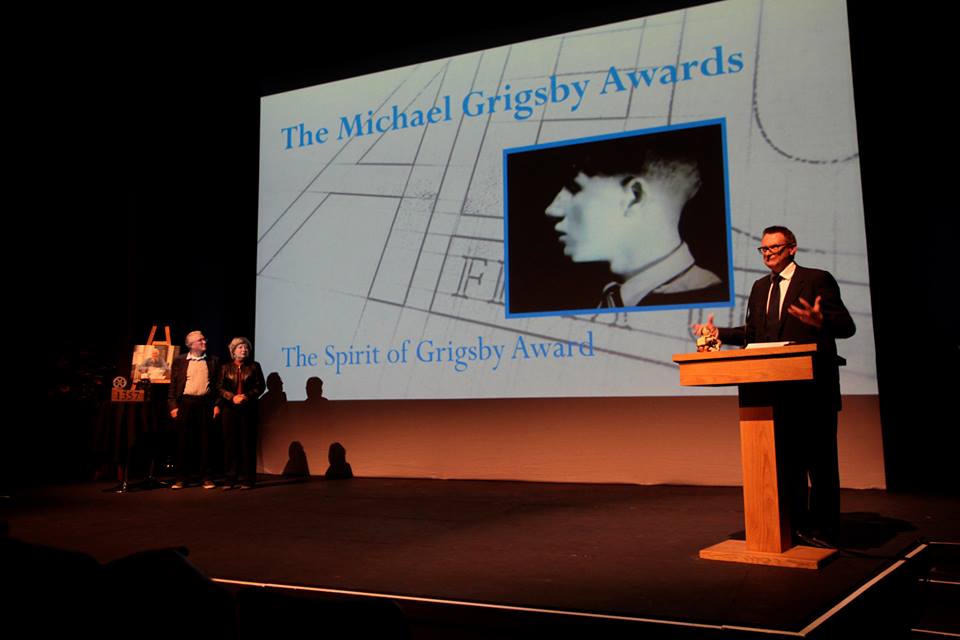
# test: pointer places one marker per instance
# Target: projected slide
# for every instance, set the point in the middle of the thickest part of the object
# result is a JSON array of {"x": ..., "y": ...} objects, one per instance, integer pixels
[
  {"x": 619, "y": 199},
  {"x": 548, "y": 218}
]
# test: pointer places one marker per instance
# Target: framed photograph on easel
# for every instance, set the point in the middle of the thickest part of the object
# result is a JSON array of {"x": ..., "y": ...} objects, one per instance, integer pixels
[{"x": 152, "y": 362}]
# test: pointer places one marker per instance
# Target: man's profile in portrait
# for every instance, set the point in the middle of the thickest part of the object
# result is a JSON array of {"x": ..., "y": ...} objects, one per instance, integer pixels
[{"x": 631, "y": 220}]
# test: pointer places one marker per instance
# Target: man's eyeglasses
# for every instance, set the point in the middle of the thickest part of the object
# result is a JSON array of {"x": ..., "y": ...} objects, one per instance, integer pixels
[{"x": 774, "y": 249}]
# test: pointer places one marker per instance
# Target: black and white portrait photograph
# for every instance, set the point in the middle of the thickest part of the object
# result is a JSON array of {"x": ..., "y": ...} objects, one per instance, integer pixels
[{"x": 634, "y": 221}]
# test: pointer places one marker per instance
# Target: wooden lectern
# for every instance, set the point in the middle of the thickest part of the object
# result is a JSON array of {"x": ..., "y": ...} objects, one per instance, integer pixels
[{"x": 766, "y": 515}]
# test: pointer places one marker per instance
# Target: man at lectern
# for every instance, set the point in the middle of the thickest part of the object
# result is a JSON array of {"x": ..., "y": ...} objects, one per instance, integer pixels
[{"x": 801, "y": 305}]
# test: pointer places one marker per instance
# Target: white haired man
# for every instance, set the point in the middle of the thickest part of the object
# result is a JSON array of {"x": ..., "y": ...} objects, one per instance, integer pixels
[{"x": 191, "y": 401}]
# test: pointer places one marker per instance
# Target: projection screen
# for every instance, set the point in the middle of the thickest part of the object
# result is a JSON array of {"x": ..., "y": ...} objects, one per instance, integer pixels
[{"x": 451, "y": 229}]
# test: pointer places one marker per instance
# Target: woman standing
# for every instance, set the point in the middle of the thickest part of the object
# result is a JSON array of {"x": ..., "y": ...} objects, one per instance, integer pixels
[{"x": 241, "y": 383}]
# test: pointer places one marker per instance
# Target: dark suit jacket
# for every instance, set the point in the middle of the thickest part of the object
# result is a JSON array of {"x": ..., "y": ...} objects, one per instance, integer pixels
[
  {"x": 178, "y": 378},
  {"x": 837, "y": 323}
]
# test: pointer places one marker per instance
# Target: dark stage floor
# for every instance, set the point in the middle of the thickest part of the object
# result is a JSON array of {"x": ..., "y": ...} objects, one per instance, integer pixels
[{"x": 617, "y": 550}]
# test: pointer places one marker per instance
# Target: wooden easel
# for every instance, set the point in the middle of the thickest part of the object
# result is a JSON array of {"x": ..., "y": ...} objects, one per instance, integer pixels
[
  {"x": 153, "y": 332},
  {"x": 150, "y": 482}
]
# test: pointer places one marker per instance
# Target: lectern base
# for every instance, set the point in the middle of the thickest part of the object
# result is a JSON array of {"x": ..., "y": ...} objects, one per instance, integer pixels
[{"x": 799, "y": 557}]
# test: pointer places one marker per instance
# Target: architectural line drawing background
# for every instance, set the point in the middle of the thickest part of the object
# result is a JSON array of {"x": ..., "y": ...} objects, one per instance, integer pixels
[{"x": 399, "y": 235}]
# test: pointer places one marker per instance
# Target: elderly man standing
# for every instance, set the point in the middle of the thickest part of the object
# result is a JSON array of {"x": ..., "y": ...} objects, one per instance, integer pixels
[{"x": 192, "y": 406}]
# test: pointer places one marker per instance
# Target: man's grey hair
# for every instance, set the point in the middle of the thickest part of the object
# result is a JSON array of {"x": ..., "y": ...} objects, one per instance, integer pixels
[{"x": 192, "y": 337}]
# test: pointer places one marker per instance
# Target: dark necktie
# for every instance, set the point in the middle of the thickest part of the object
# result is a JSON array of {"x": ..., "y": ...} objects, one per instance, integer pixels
[
  {"x": 773, "y": 309},
  {"x": 611, "y": 296}
]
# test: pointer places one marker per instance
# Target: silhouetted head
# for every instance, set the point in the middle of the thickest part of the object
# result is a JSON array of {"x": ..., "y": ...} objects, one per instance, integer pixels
[
  {"x": 314, "y": 388},
  {"x": 274, "y": 383},
  {"x": 337, "y": 453}
]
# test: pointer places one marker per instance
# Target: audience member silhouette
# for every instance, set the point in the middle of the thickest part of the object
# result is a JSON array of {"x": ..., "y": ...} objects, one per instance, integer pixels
[
  {"x": 339, "y": 468},
  {"x": 297, "y": 465},
  {"x": 273, "y": 411}
]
